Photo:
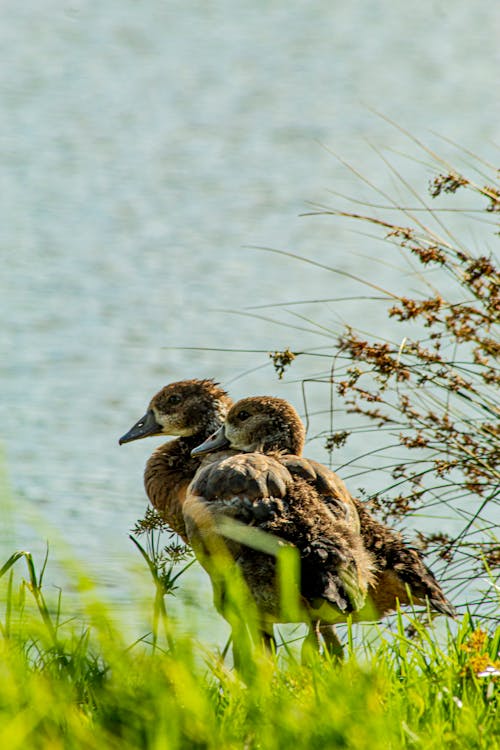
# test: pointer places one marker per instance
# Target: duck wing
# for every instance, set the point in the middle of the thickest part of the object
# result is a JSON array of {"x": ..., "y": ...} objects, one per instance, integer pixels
[
  {"x": 330, "y": 573},
  {"x": 335, "y": 567},
  {"x": 250, "y": 487},
  {"x": 247, "y": 488}
]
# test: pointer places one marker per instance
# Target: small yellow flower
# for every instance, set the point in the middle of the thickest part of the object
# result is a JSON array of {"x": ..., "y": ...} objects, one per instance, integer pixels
[
  {"x": 478, "y": 663},
  {"x": 476, "y": 642}
]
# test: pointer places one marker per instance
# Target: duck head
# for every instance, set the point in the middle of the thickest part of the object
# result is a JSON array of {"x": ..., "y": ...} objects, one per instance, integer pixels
[
  {"x": 260, "y": 423},
  {"x": 188, "y": 407}
]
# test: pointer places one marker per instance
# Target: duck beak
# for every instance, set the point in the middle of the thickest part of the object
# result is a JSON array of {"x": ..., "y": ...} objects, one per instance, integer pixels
[
  {"x": 147, "y": 425},
  {"x": 216, "y": 442}
]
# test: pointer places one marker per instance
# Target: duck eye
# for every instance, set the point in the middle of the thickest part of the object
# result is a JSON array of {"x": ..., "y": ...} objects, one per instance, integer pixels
[
  {"x": 174, "y": 399},
  {"x": 242, "y": 415}
]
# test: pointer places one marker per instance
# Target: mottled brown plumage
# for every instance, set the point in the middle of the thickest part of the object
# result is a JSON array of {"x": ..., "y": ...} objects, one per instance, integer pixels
[
  {"x": 192, "y": 410},
  {"x": 265, "y": 423},
  {"x": 283, "y": 496}
]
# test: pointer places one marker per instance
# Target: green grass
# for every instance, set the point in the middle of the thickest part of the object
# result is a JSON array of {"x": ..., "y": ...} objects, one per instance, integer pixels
[{"x": 78, "y": 684}]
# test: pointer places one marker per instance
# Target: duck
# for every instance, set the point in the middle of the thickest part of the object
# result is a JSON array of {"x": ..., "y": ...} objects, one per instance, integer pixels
[
  {"x": 189, "y": 410},
  {"x": 262, "y": 492},
  {"x": 270, "y": 427}
]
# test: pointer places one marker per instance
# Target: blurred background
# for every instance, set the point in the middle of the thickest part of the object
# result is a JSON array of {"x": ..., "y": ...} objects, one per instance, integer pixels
[{"x": 146, "y": 149}]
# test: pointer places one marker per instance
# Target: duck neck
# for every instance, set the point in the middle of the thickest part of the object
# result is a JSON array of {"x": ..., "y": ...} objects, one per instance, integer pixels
[
  {"x": 283, "y": 441},
  {"x": 188, "y": 442}
]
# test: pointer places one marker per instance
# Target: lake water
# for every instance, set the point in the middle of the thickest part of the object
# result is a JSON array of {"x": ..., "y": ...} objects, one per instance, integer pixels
[{"x": 144, "y": 148}]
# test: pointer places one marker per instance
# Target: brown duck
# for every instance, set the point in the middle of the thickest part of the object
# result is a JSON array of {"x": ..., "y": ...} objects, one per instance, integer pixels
[
  {"x": 271, "y": 493},
  {"x": 272, "y": 426},
  {"x": 191, "y": 410}
]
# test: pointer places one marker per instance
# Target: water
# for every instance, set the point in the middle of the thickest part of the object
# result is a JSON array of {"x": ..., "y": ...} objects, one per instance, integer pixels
[{"x": 144, "y": 148}]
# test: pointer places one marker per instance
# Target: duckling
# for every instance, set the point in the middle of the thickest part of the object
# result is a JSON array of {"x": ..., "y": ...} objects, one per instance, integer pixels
[
  {"x": 283, "y": 496},
  {"x": 266, "y": 424},
  {"x": 191, "y": 410}
]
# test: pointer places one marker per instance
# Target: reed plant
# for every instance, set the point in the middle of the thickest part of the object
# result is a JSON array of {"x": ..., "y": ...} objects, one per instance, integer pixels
[{"x": 416, "y": 400}]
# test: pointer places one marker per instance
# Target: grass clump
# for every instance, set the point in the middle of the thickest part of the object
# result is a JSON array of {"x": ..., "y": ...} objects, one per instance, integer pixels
[{"x": 66, "y": 684}]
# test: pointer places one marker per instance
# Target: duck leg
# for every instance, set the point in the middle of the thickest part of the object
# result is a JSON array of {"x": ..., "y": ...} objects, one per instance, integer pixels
[
  {"x": 331, "y": 640},
  {"x": 243, "y": 643},
  {"x": 318, "y": 633},
  {"x": 267, "y": 639},
  {"x": 311, "y": 646}
]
